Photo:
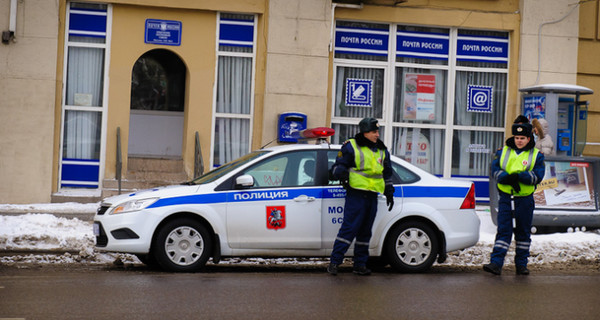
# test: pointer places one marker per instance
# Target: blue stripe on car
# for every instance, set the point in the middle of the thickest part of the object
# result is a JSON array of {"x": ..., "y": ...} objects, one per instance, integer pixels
[{"x": 318, "y": 193}]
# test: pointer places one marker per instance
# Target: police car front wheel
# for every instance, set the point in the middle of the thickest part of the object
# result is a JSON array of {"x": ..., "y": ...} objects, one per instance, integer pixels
[
  {"x": 412, "y": 247},
  {"x": 182, "y": 245}
]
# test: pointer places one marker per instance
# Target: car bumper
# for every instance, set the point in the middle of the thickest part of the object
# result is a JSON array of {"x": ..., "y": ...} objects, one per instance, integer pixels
[{"x": 127, "y": 232}]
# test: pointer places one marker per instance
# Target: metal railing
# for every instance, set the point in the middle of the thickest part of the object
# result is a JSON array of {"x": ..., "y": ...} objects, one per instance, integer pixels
[
  {"x": 198, "y": 161},
  {"x": 119, "y": 159}
]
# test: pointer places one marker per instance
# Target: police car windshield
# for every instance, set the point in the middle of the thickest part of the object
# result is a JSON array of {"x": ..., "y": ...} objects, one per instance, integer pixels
[{"x": 226, "y": 168}]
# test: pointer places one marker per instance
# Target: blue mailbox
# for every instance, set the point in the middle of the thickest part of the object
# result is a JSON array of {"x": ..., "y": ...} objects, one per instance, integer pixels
[{"x": 290, "y": 122}]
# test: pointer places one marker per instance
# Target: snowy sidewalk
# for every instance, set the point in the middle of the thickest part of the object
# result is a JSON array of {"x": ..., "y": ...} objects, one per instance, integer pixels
[{"x": 34, "y": 230}]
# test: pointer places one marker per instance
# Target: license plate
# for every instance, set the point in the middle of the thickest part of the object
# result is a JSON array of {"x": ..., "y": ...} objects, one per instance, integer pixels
[{"x": 96, "y": 229}]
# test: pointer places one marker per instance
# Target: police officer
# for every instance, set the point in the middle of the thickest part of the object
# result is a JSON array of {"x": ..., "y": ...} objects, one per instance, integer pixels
[
  {"x": 364, "y": 168},
  {"x": 517, "y": 168}
]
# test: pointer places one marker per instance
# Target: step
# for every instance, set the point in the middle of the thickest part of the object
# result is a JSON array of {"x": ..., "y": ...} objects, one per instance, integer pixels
[
  {"x": 139, "y": 164},
  {"x": 167, "y": 177},
  {"x": 78, "y": 198}
]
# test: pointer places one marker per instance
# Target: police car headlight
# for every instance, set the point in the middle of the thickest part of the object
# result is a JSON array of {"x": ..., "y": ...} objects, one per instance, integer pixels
[{"x": 133, "y": 205}]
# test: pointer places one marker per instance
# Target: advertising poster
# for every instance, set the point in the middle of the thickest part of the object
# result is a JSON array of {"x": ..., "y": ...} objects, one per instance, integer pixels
[
  {"x": 567, "y": 185},
  {"x": 415, "y": 149},
  {"x": 419, "y": 97},
  {"x": 534, "y": 107}
]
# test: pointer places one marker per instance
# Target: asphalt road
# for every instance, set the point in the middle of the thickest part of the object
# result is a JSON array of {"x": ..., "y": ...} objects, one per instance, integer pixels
[{"x": 101, "y": 292}]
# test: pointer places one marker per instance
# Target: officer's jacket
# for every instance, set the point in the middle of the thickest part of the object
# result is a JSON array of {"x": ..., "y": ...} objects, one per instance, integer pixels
[
  {"x": 346, "y": 162},
  {"x": 528, "y": 163}
]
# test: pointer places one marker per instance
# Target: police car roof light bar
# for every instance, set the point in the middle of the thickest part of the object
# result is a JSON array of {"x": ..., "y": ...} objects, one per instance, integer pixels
[{"x": 320, "y": 133}]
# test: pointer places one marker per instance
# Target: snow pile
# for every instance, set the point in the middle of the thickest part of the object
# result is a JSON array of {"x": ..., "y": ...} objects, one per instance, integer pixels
[{"x": 46, "y": 232}]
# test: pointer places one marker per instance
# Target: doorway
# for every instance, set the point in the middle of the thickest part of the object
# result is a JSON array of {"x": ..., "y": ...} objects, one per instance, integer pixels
[{"x": 157, "y": 105}]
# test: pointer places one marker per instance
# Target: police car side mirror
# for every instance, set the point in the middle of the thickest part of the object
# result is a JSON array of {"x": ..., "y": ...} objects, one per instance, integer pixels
[{"x": 245, "y": 180}]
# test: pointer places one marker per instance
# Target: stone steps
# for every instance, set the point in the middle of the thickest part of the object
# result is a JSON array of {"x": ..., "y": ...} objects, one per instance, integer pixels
[{"x": 146, "y": 173}]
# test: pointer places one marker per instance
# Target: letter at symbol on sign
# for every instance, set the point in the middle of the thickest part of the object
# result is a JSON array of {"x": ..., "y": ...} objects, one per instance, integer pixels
[
  {"x": 357, "y": 92},
  {"x": 163, "y": 26},
  {"x": 480, "y": 98}
]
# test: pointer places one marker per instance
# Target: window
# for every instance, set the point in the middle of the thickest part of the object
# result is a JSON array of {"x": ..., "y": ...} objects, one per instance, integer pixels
[
  {"x": 291, "y": 169},
  {"x": 234, "y": 87},
  {"x": 83, "y": 97},
  {"x": 158, "y": 82},
  {"x": 439, "y": 93}
]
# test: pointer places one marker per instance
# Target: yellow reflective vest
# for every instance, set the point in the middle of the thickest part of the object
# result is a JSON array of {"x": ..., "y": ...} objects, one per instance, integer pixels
[
  {"x": 368, "y": 171},
  {"x": 511, "y": 162}
]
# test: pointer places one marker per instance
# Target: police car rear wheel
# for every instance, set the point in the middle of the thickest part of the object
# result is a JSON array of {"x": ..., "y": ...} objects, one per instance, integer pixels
[
  {"x": 182, "y": 245},
  {"x": 412, "y": 247}
]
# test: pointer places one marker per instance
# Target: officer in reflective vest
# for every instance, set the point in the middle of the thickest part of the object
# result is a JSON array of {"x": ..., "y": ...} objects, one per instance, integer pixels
[
  {"x": 518, "y": 168},
  {"x": 363, "y": 166}
]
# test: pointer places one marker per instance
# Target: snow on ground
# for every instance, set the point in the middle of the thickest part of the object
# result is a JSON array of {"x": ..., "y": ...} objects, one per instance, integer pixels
[{"x": 35, "y": 228}]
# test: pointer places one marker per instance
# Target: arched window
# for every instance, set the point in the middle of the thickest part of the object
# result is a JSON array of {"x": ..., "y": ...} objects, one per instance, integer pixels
[{"x": 158, "y": 82}]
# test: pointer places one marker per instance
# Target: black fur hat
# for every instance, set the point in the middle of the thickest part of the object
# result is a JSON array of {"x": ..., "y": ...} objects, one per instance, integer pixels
[{"x": 522, "y": 129}]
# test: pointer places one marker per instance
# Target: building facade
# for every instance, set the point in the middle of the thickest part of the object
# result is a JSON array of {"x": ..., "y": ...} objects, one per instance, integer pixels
[{"x": 96, "y": 92}]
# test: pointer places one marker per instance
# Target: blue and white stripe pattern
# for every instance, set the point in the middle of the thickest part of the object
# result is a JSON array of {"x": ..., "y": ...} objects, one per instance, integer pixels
[
  {"x": 80, "y": 173},
  {"x": 236, "y": 32},
  {"x": 87, "y": 23}
]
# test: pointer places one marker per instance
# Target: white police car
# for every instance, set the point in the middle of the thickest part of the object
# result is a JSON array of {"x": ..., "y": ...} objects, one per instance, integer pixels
[{"x": 278, "y": 202}]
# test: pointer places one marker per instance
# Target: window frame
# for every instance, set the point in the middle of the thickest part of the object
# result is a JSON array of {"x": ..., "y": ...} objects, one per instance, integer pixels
[
  {"x": 227, "y": 115},
  {"x": 102, "y": 109},
  {"x": 451, "y": 68}
]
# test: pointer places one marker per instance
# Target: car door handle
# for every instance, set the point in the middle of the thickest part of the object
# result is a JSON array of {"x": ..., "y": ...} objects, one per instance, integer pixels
[{"x": 304, "y": 198}]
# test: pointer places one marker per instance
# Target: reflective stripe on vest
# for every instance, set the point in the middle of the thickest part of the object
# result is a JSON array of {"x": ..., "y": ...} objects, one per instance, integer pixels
[
  {"x": 368, "y": 173},
  {"x": 511, "y": 162}
]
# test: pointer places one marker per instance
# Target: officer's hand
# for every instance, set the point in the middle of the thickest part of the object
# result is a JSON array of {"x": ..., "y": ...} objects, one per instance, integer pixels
[
  {"x": 344, "y": 179},
  {"x": 389, "y": 196},
  {"x": 514, "y": 182},
  {"x": 511, "y": 179},
  {"x": 389, "y": 200},
  {"x": 516, "y": 186}
]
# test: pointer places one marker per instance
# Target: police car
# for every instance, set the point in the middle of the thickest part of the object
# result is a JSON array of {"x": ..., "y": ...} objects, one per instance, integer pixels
[{"x": 279, "y": 202}]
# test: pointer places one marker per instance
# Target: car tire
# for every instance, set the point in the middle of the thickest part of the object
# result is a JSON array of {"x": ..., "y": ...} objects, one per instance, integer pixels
[
  {"x": 412, "y": 247},
  {"x": 182, "y": 245}
]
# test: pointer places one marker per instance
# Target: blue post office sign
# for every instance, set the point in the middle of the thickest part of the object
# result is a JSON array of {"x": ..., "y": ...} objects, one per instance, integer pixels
[
  {"x": 482, "y": 49},
  {"x": 422, "y": 45},
  {"x": 361, "y": 41},
  {"x": 479, "y": 98},
  {"x": 163, "y": 32},
  {"x": 359, "y": 92}
]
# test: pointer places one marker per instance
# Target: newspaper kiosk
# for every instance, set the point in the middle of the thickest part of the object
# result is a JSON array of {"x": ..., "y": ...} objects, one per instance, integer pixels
[{"x": 568, "y": 195}]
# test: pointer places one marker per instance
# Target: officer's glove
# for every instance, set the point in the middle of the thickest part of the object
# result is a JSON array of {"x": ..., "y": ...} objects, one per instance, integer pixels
[
  {"x": 345, "y": 179},
  {"x": 511, "y": 179},
  {"x": 514, "y": 182},
  {"x": 389, "y": 196}
]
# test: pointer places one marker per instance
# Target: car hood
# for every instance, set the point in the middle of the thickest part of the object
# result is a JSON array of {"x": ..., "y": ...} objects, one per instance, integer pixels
[{"x": 158, "y": 192}]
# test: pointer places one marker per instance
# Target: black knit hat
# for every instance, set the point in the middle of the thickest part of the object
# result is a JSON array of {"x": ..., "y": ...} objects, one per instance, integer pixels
[
  {"x": 368, "y": 125},
  {"x": 522, "y": 129}
]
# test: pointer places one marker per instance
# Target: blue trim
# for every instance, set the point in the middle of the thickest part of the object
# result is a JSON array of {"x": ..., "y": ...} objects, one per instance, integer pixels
[
  {"x": 237, "y": 33},
  {"x": 84, "y": 171},
  {"x": 80, "y": 21},
  {"x": 482, "y": 188},
  {"x": 317, "y": 192},
  {"x": 434, "y": 192}
]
